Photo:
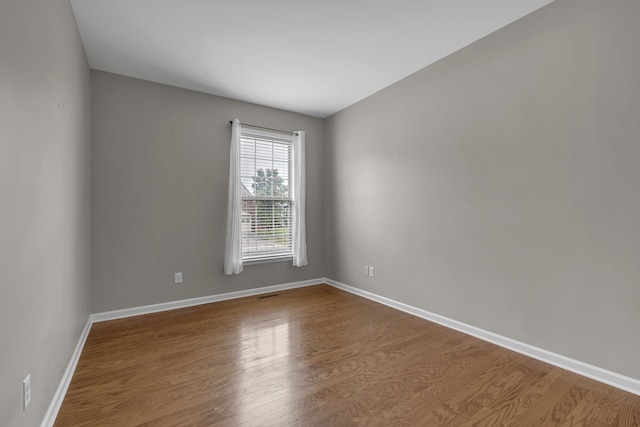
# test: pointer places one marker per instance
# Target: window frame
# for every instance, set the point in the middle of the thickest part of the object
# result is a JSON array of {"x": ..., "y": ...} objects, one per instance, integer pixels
[{"x": 253, "y": 135}]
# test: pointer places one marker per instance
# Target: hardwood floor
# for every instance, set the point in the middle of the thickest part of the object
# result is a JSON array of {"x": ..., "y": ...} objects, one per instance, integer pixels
[{"x": 319, "y": 356}]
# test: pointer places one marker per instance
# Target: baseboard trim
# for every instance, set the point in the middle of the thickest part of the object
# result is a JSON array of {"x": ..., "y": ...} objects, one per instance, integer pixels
[
  {"x": 173, "y": 305},
  {"x": 613, "y": 379},
  {"x": 61, "y": 391}
]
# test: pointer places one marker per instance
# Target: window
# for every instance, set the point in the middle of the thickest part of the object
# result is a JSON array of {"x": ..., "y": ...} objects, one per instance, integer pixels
[
  {"x": 265, "y": 176},
  {"x": 266, "y": 211}
]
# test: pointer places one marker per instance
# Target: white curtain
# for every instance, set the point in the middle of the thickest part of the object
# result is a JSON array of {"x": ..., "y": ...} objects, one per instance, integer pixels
[
  {"x": 299, "y": 226},
  {"x": 233, "y": 252}
]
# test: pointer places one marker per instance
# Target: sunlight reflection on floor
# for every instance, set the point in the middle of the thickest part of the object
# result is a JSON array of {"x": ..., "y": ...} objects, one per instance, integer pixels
[{"x": 264, "y": 350}]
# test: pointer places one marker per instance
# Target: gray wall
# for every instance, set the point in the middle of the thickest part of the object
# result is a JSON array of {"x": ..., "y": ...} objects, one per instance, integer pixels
[
  {"x": 500, "y": 186},
  {"x": 160, "y": 166},
  {"x": 44, "y": 201}
]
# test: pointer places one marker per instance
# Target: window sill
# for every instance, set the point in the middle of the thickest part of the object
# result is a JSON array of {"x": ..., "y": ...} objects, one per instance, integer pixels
[{"x": 267, "y": 260}]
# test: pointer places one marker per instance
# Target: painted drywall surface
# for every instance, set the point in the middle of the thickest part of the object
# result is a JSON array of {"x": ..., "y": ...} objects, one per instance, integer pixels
[
  {"x": 44, "y": 201},
  {"x": 160, "y": 164},
  {"x": 499, "y": 186}
]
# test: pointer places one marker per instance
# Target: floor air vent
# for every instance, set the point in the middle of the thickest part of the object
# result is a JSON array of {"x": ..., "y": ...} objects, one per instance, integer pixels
[{"x": 268, "y": 296}]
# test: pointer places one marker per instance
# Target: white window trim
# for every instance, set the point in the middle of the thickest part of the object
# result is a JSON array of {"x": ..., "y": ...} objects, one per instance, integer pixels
[
  {"x": 235, "y": 256},
  {"x": 275, "y": 139}
]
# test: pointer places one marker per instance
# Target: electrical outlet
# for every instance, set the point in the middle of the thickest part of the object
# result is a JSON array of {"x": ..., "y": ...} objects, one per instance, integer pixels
[
  {"x": 366, "y": 270},
  {"x": 26, "y": 392},
  {"x": 371, "y": 271},
  {"x": 178, "y": 278}
]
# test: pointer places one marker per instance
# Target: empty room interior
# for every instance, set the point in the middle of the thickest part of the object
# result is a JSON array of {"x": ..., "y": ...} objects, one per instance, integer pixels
[{"x": 231, "y": 212}]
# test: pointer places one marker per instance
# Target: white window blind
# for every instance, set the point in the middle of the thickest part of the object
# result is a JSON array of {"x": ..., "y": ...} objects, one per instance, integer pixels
[{"x": 266, "y": 194}]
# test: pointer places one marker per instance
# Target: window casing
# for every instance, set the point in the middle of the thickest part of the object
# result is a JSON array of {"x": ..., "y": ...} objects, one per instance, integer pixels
[{"x": 266, "y": 174}]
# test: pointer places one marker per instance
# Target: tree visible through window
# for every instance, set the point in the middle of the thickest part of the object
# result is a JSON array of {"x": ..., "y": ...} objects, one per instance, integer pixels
[{"x": 266, "y": 165}]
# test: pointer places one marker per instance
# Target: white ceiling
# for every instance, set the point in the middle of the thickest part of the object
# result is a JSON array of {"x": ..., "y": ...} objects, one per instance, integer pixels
[{"x": 312, "y": 57}]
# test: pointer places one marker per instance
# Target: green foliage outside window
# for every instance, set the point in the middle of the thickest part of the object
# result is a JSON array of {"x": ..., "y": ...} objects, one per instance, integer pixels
[{"x": 271, "y": 213}]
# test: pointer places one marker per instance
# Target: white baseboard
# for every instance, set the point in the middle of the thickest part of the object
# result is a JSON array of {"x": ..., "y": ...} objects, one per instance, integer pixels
[
  {"x": 58, "y": 397},
  {"x": 154, "y": 308},
  {"x": 613, "y": 379}
]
